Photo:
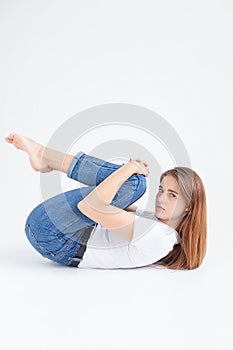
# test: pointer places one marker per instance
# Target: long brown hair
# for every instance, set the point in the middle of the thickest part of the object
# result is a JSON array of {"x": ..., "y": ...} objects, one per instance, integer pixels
[{"x": 189, "y": 253}]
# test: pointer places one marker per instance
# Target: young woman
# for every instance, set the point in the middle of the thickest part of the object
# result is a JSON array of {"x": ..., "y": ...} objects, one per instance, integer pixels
[{"x": 95, "y": 226}]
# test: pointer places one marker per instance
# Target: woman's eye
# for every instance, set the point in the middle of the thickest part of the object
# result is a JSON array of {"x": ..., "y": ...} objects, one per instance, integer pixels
[{"x": 172, "y": 194}]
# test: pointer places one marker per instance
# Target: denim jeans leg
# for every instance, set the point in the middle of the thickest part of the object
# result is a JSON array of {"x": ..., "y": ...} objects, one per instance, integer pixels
[
  {"x": 90, "y": 170},
  {"x": 61, "y": 211},
  {"x": 56, "y": 227}
]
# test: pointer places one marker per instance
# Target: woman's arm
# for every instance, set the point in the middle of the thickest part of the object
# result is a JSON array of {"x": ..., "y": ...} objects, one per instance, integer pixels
[
  {"x": 96, "y": 205},
  {"x": 106, "y": 190}
]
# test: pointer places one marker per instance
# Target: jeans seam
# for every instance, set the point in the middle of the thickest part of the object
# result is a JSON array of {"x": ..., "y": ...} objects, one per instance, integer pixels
[
  {"x": 38, "y": 243},
  {"x": 66, "y": 250},
  {"x": 69, "y": 244},
  {"x": 73, "y": 164}
]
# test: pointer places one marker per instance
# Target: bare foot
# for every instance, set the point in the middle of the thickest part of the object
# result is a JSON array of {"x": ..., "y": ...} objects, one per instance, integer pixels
[{"x": 33, "y": 149}]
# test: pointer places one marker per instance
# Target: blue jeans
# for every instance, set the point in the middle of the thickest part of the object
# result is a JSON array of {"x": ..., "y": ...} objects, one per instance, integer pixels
[{"x": 56, "y": 228}]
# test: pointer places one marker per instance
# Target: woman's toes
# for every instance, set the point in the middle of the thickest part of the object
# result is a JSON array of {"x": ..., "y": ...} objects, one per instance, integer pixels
[{"x": 8, "y": 139}]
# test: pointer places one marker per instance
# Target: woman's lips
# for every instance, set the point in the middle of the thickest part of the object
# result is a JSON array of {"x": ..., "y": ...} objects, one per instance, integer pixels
[{"x": 157, "y": 206}]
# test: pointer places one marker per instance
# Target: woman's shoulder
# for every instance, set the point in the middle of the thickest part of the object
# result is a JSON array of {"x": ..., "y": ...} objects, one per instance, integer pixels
[
  {"x": 145, "y": 213},
  {"x": 152, "y": 240},
  {"x": 155, "y": 229},
  {"x": 151, "y": 215}
]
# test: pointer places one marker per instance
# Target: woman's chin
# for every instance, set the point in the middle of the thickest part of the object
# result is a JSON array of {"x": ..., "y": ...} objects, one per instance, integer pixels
[
  {"x": 159, "y": 215},
  {"x": 159, "y": 212}
]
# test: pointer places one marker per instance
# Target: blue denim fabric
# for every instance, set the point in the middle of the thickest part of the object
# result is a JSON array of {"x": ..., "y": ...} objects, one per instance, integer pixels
[{"x": 56, "y": 227}]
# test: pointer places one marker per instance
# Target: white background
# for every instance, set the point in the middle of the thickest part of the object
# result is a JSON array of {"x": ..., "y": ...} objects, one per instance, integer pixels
[{"x": 61, "y": 57}]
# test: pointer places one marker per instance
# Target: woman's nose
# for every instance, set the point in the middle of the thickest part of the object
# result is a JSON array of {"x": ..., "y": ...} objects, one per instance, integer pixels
[{"x": 162, "y": 197}]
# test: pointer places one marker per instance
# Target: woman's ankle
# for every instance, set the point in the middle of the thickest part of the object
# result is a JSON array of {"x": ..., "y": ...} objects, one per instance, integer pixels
[{"x": 57, "y": 160}]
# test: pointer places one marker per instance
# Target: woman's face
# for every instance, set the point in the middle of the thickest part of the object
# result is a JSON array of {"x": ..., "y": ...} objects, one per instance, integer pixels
[{"x": 170, "y": 206}]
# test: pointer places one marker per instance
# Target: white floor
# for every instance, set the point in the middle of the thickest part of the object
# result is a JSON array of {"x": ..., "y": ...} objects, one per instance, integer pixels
[
  {"x": 60, "y": 58},
  {"x": 45, "y": 305}
]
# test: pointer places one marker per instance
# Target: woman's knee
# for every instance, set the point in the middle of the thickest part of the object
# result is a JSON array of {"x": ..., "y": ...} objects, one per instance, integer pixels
[{"x": 130, "y": 191}]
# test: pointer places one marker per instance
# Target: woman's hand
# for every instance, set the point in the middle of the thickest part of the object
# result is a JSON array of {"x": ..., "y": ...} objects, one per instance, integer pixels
[{"x": 140, "y": 166}]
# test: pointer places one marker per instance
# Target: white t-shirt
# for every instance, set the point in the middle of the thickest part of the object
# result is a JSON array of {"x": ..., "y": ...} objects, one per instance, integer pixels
[{"x": 152, "y": 240}]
